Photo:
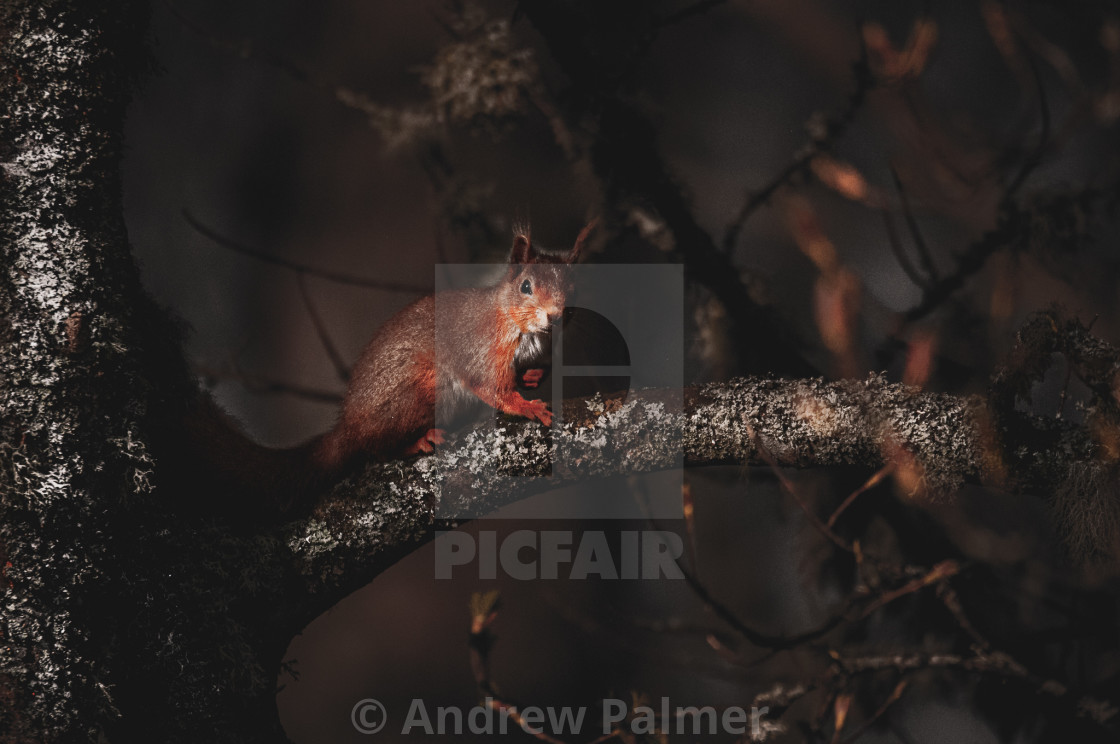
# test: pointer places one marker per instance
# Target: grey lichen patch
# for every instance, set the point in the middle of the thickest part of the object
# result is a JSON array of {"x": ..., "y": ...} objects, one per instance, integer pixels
[
  {"x": 801, "y": 423},
  {"x": 312, "y": 540},
  {"x": 851, "y": 422},
  {"x": 348, "y": 536},
  {"x": 638, "y": 436},
  {"x": 481, "y": 79},
  {"x": 942, "y": 434}
]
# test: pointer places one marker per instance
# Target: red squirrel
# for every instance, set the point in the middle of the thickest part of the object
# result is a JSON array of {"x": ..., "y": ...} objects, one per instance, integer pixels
[{"x": 389, "y": 408}]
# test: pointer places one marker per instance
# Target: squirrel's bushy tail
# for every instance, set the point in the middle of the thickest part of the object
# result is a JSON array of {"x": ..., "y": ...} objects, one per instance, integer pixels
[{"x": 228, "y": 474}]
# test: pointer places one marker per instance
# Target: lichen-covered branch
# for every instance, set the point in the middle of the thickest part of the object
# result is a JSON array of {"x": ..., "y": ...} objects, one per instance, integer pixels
[{"x": 943, "y": 441}]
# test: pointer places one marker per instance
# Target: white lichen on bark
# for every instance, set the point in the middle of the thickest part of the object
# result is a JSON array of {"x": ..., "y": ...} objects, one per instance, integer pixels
[
  {"x": 788, "y": 423},
  {"x": 72, "y": 448}
]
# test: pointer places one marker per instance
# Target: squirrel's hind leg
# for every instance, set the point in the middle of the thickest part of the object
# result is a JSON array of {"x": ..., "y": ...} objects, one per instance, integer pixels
[{"x": 427, "y": 442}]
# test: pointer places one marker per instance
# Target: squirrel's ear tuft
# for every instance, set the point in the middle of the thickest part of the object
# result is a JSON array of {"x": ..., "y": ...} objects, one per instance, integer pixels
[
  {"x": 522, "y": 252},
  {"x": 581, "y": 240}
]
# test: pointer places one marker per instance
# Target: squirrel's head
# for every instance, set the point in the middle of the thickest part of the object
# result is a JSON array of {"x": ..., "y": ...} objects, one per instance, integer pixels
[{"x": 538, "y": 283}]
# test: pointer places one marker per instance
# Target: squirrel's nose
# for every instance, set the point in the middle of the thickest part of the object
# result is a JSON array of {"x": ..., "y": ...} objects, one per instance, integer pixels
[{"x": 556, "y": 315}]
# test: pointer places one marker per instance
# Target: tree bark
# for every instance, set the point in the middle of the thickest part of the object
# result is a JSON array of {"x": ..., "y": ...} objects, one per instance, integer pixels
[
  {"x": 76, "y": 392},
  {"x": 943, "y": 441}
]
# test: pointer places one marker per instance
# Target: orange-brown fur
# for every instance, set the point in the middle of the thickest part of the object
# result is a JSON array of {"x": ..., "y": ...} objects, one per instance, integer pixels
[{"x": 389, "y": 409}]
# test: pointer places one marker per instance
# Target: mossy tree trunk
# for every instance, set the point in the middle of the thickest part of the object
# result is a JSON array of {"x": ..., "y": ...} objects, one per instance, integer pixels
[{"x": 79, "y": 350}]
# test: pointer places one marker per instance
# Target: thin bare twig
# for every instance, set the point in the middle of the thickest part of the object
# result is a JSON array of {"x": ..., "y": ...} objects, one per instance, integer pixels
[
  {"x": 688, "y": 509},
  {"x": 1007, "y": 232},
  {"x": 1035, "y": 158},
  {"x": 891, "y": 700},
  {"x": 788, "y": 487},
  {"x": 334, "y": 276},
  {"x": 920, "y": 245},
  {"x": 340, "y": 367},
  {"x": 484, "y": 609},
  {"x": 871, "y": 482},
  {"x": 938, "y": 573},
  {"x": 993, "y": 663},
  {"x": 948, "y": 596},
  {"x": 1013, "y": 230},
  {"x": 899, "y": 252},
  {"x": 762, "y": 640},
  {"x": 834, "y": 127},
  {"x": 724, "y": 613}
]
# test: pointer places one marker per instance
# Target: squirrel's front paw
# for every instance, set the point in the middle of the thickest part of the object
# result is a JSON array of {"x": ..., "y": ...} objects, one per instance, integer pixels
[
  {"x": 538, "y": 410},
  {"x": 531, "y": 378}
]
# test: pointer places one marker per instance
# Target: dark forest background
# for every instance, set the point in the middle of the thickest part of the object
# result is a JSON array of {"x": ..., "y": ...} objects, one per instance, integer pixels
[{"x": 902, "y": 184}]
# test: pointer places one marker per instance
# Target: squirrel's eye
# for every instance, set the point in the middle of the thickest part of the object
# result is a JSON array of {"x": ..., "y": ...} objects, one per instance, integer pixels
[{"x": 526, "y": 287}]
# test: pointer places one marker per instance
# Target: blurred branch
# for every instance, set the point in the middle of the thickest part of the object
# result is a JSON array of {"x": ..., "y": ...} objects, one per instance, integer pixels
[
  {"x": 870, "y": 483},
  {"x": 915, "y": 231},
  {"x": 787, "y": 485},
  {"x": 302, "y": 268},
  {"x": 1014, "y": 230},
  {"x": 1035, "y": 158},
  {"x": 952, "y": 602},
  {"x": 895, "y": 243},
  {"x": 484, "y": 608},
  {"x": 844, "y": 669},
  {"x": 625, "y": 156},
  {"x": 822, "y": 140},
  {"x": 395, "y": 125},
  {"x": 986, "y": 663},
  {"x": 879, "y": 713}
]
